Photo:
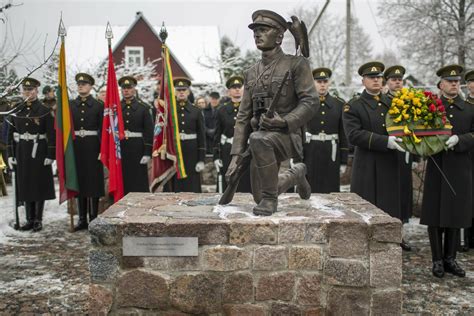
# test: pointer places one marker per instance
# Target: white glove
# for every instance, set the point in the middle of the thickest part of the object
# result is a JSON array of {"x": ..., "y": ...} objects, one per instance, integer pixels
[
  {"x": 145, "y": 160},
  {"x": 11, "y": 162},
  {"x": 98, "y": 157},
  {"x": 48, "y": 162},
  {"x": 199, "y": 166},
  {"x": 307, "y": 139},
  {"x": 452, "y": 141},
  {"x": 218, "y": 164},
  {"x": 414, "y": 165},
  {"x": 342, "y": 169},
  {"x": 392, "y": 143}
]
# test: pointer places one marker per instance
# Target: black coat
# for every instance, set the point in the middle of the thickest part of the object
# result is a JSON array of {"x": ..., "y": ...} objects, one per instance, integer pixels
[
  {"x": 225, "y": 121},
  {"x": 191, "y": 121},
  {"x": 35, "y": 180},
  {"x": 375, "y": 172},
  {"x": 136, "y": 118},
  {"x": 322, "y": 172},
  {"x": 87, "y": 114},
  {"x": 441, "y": 208},
  {"x": 209, "y": 114}
]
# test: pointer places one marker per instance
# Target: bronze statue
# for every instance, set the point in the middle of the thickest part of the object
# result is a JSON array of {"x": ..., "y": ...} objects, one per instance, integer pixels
[{"x": 279, "y": 99}]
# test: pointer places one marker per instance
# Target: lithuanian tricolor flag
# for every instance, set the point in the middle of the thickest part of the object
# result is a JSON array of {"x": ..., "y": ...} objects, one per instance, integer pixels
[
  {"x": 167, "y": 153},
  {"x": 67, "y": 175}
]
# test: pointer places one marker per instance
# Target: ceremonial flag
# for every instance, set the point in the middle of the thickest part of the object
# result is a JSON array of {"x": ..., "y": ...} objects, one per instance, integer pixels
[
  {"x": 112, "y": 133},
  {"x": 66, "y": 162},
  {"x": 167, "y": 154}
]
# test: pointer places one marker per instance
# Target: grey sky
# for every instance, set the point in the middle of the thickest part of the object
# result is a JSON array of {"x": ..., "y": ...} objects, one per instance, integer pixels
[{"x": 38, "y": 18}]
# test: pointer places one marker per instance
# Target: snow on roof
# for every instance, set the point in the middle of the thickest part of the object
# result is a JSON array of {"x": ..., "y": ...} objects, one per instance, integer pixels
[{"x": 86, "y": 47}]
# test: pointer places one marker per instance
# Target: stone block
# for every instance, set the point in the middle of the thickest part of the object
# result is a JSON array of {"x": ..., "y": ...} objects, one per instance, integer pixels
[
  {"x": 348, "y": 239},
  {"x": 246, "y": 232},
  {"x": 314, "y": 311},
  {"x": 143, "y": 289},
  {"x": 238, "y": 288},
  {"x": 385, "y": 265},
  {"x": 347, "y": 272},
  {"x": 103, "y": 266},
  {"x": 386, "y": 229},
  {"x": 387, "y": 302},
  {"x": 309, "y": 290},
  {"x": 244, "y": 310},
  {"x": 100, "y": 300},
  {"x": 316, "y": 233},
  {"x": 284, "y": 309},
  {"x": 305, "y": 258},
  {"x": 270, "y": 258},
  {"x": 184, "y": 263},
  {"x": 291, "y": 232},
  {"x": 102, "y": 232},
  {"x": 198, "y": 293},
  {"x": 156, "y": 263},
  {"x": 132, "y": 262},
  {"x": 275, "y": 286},
  {"x": 226, "y": 258},
  {"x": 209, "y": 232},
  {"x": 343, "y": 301}
]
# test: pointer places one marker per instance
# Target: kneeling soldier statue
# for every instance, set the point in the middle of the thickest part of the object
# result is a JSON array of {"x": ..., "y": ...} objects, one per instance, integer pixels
[{"x": 279, "y": 99}]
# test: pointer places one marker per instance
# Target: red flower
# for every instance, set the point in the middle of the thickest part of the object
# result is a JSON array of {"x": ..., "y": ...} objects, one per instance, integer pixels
[
  {"x": 439, "y": 102},
  {"x": 428, "y": 93},
  {"x": 432, "y": 108},
  {"x": 443, "y": 119},
  {"x": 441, "y": 108}
]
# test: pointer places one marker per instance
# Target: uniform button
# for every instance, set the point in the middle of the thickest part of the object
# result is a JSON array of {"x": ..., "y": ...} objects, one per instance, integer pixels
[
  {"x": 379, "y": 104},
  {"x": 322, "y": 104},
  {"x": 182, "y": 114},
  {"x": 323, "y": 112},
  {"x": 128, "y": 106},
  {"x": 182, "y": 123},
  {"x": 235, "y": 110},
  {"x": 322, "y": 122},
  {"x": 82, "y": 111},
  {"x": 127, "y": 121},
  {"x": 82, "y": 119},
  {"x": 182, "y": 132},
  {"x": 128, "y": 113},
  {"x": 450, "y": 115},
  {"x": 322, "y": 131},
  {"x": 381, "y": 114},
  {"x": 27, "y": 124},
  {"x": 83, "y": 104},
  {"x": 82, "y": 127},
  {"x": 383, "y": 125},
  {"x": 235, "y": 118}
]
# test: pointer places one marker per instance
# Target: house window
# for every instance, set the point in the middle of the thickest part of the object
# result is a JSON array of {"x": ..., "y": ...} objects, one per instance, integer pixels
[{"x": 133, "y": 56}]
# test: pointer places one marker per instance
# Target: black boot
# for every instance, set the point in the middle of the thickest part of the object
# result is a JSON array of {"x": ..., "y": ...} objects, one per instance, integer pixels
[
  {"x": 38, "y": 223},
  {"x": 295, "y": 176},
  {"x": 93, "y": 208},
  {"x": 436, "y": 243},
  {"x": 471, "y": 235},
  {"x": 464, "y": 247},
  {"x": 451, "y": 242},
  {"x": 269, "y": 187},
  {"x": 82, "y": 224},
  {"x": 30, "y": 216}
]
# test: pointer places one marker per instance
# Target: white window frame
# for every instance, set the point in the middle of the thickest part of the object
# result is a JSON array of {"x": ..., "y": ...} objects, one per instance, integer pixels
[{"x": 127, "y": 55}]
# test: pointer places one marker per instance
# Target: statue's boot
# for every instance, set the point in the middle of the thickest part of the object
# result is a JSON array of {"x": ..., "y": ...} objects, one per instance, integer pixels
[
  {"x": 295, "y": 176},
  {"x": 269, "y": 189}
]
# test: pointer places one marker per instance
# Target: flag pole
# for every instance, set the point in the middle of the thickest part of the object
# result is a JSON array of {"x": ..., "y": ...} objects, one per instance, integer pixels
[
  {"x": 163, "y": 36},
  {"x": 70, "y": 203}
]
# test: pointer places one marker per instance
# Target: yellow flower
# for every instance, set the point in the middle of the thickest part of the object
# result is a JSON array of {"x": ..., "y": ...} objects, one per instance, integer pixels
[
  {"x": 398, "y": 119},
  {"x": 418, "y": 111},
  {"x": 404, "y": 90},
  {"x": 416, "y": 139},
  {"x": 406, "y": 130}
]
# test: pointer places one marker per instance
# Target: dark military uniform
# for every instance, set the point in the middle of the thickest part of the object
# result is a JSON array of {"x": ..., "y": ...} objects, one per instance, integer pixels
[
  {"x": 296, "y": 106},
  {"x": 31, "y": 140},
  {"x": 375, "y": 174},
  {"x": 224, "y": 135},
  {"x": 326, "y": 146},
  {"x": 138, "y": 142},
  {"x": 87, "y": 114},
  {"x": 469, "y": 232}
]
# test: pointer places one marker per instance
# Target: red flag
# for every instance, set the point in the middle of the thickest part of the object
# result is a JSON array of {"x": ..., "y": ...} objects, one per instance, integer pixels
[{"x": 112, "y": 133}]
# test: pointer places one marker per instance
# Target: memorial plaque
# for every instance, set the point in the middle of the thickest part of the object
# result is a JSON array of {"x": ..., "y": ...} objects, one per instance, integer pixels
[{"x": 160, "y": 246}]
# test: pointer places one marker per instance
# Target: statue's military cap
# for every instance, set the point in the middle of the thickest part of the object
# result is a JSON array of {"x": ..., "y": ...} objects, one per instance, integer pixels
[
  {"x": 181, "y": 83},
  {"x": 234, "y": 81},
  {"x": 268, "y": 18},
  {"x": 85, "y": 78},
  {"x": 322, "y": 73},
  {"x": 127, "y": 82},
  {"x": 450, "y": 72},
  {"x": 29, "y": 82},
  {"x": 396, "y": 71},
  {"x": 469, "y": 76},
  {"x": 372, "y": 69}
]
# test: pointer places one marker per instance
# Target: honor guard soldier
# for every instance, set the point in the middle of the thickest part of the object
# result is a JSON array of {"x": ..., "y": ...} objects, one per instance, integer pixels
[
  {"x": 31, "y": 146},
  {"x": 137, "y": 145},
  {"x": 193, "y": 139},
  {"x": 49, "y": 99},
  {"x": 325, "y": 148},
  {"x": 375, "y": 172},
  {"x": 469, "y": 232},
  {"x": 87, "y": 114},
  {"x": 285, "y": 81},
  {"x": 447, "y": 207},
  {"x": 406, "y": 161},
  {"x": 224, "y": 135}
]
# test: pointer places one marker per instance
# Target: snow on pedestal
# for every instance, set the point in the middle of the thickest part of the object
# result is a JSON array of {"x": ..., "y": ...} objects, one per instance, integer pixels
[{"x": 334, "y": 253}]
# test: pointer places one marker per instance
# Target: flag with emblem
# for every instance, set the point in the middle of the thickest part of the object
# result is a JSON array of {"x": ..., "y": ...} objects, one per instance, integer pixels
[
  {"x": 167, "y": 154},
  {"x": 65, "y": 159},
  {"x": 112, "y": 133}
]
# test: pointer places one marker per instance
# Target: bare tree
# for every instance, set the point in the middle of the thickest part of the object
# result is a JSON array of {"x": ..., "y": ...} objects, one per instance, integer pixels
[{"x": 431, "y": 33}]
